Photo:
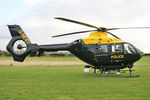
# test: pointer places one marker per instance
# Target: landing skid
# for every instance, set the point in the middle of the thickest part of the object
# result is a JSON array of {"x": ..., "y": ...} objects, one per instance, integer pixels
[
  {"x": 120, "y": 71},
  {"x": 126, "y": 76},
  {"x": 122, "y": 76}
]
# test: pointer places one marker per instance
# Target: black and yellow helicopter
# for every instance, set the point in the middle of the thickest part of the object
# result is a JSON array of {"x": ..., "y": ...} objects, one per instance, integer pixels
[{"x": 98, "y": 50}]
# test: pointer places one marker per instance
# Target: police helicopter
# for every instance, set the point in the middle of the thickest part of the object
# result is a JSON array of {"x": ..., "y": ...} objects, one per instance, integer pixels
[{"x": 98, "y": 50}]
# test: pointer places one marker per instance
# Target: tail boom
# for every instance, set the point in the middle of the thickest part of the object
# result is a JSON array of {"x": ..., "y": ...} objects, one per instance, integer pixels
[{"x": 20, "y": 46}]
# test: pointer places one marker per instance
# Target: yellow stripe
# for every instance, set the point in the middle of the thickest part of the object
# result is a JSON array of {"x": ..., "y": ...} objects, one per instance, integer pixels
[{"x": 100, "y": 38}]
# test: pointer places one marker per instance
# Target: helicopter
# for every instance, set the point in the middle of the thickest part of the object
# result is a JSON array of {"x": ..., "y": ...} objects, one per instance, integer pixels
[{"x": 98, "y": 50}]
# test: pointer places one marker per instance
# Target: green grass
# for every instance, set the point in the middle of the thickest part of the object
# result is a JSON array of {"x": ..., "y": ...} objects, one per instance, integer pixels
[
  {"x": 145, "y": 59},
  {"x": 70, "y": 83}
]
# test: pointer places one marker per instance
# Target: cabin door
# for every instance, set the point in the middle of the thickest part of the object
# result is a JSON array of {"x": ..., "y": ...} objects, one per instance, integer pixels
[
  {"x": 116, "y": 54},
  {"x": 102, "y": 53}
]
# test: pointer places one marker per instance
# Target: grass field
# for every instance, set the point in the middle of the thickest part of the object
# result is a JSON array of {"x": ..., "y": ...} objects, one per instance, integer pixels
[
  {"x": 70, "y": 83},
  {"x": 145, "y": 59}
]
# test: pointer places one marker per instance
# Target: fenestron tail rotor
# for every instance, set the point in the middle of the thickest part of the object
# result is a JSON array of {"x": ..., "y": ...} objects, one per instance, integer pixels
[{"x": 19, "y": 47}]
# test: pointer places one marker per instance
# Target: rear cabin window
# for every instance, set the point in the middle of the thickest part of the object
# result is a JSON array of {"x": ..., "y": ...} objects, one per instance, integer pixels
[
  {"x": 116, "y": 48},
  {"x": 98, "y": 49},
  {"x": 92, "y": 48},
  {"x": 103, "y": 49}
]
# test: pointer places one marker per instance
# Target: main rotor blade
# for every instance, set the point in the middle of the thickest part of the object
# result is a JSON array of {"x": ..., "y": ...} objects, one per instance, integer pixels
[
  {"x": 113, "y": 35},
  {"x": 77, "y": 22},
  {"x": 73, "y": 33},
  {"x": 129, "y": 28}
]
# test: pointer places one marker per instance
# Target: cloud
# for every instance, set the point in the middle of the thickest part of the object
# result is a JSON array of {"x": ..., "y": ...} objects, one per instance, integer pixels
[
  {"x": 33, "y": 2},
  {"x": 40, "y": 25}
]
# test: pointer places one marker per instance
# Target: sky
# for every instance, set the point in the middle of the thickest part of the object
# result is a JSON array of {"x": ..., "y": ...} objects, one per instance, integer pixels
[{"x": 36, "y": 17}]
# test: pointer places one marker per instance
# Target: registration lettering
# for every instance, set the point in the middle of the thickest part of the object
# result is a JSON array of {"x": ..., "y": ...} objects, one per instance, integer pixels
[{"x": 24, "y": 37}]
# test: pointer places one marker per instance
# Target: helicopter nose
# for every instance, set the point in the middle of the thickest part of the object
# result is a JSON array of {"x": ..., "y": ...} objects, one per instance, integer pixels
[{"x": 141, "y": 54}]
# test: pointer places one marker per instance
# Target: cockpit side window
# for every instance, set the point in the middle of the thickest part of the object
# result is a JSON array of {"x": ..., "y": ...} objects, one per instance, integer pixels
[{"x": 129, "y": 49}]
